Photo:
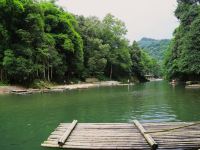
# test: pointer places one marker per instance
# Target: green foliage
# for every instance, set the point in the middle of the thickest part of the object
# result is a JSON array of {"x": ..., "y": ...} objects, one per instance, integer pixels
[
  {"x": 119, "y": 61},
  {"x": 136, "y": 58},
  {"x": 40, "y": 84},
  {"x": 151, "y": 66},
  {"x": 155, "y": 48},
  {"x": 183, "y": 57},
  {"x": 106, "y": 51},
  {"x": 3, "y": 83},
  {"x": 41, "y": 41},
  {"x": 143, "y": 63},
  {"x": 94, "y": 49},
  {"x": 68, "y": 43},
  {"x": 38, "y": 40}
]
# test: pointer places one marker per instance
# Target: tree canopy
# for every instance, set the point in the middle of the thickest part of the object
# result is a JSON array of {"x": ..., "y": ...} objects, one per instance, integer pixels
[
  {"x": 39, "y": 40},
  {"x": 183, "y": 57},
  {"x": 155, "y": 48}
]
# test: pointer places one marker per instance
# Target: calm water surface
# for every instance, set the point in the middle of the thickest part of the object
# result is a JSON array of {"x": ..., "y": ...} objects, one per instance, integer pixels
[{"x": 26, "y": 121}]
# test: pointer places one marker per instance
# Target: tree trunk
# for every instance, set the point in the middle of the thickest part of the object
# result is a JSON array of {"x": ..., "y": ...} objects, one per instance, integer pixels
[
  {"x": 48, "y": 72},
  {"x": 5, "y": 75},
  {"x": 51, "y": 73},
  {"x": 1, "y": 75},
  {"x": 44, "y": 73},
  {"x": 111, "y": 71},
  {"x": 37, "y": 73}
]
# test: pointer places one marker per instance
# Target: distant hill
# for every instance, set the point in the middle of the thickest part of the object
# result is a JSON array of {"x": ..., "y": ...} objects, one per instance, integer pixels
[{"x": 155, "y": 48}]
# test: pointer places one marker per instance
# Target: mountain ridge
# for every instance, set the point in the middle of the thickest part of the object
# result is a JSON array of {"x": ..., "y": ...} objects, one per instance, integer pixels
[{"x": 156, "y": 48}]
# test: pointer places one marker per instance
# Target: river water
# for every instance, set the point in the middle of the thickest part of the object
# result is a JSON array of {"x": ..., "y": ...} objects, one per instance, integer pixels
[{"x": 26, "y": 121}]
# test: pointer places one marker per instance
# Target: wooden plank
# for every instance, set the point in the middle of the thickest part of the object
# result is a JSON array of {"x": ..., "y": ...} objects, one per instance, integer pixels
[
  {"x": 148, "y": 138},
  {"x": 125, "y": 136},
  {"x": 97, "y": 145},
  {"x": 62, "y": 140}
]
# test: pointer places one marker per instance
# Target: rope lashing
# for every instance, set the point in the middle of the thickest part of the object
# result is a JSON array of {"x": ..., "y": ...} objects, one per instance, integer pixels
[{"x": 172, "y": 129}]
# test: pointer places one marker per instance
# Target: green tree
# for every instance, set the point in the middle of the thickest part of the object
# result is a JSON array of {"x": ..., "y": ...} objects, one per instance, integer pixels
[
  {"x": 95, "y": 51},
  {"x": 61, "y": 26},
  {"x": 182, "y": 60},
  {"x": 119, "y": 61},
  {"x": 39, "y": 40}
]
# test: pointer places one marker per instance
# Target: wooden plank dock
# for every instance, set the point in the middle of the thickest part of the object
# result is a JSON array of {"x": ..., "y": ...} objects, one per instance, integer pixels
[{"x": 171, "y": 135}]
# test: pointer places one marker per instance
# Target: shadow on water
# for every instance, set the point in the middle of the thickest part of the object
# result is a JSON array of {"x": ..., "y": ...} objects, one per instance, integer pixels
[{"x": 25, "y": 121}]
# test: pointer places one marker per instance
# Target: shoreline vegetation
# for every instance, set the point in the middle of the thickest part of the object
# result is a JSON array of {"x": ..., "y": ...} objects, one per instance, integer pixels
[
  {"x": 46, "y": 87},
  {"x": 182, "y": 60},
  {"x": 40, "y": 41},
  {"x": 57, "y": 88},
  {"x": 20, "y": 90},
  {"x": 188, "y": 84}
]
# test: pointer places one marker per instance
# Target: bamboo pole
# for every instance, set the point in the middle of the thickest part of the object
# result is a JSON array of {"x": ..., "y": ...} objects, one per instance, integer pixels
[
  {"x": 67, "y": 133},
  {"x": 147, "y": 137}
]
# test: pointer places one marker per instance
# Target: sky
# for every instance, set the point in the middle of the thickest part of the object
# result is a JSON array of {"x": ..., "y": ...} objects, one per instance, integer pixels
[{"x": 143, "y": 18}]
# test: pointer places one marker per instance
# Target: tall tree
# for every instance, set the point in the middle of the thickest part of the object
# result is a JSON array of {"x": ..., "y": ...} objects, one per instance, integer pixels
[
  {"x": 182, "y": 60},
  {"x": 119, "y": 61},
  {"x": 61, "y": 26}
]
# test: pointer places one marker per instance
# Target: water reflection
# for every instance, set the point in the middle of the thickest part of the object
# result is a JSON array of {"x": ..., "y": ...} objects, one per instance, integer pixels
[{"x": 33, "y": 117}]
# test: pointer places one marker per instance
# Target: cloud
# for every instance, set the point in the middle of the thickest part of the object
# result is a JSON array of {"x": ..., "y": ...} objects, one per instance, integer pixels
[{"x": 143, "y": 18}]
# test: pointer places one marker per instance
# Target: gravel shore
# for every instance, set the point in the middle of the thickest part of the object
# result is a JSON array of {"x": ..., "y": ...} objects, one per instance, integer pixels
[{"x": 58, "y": 88}]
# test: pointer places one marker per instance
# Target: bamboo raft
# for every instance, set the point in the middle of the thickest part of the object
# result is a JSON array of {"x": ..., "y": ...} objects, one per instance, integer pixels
[{"x": 174, "y": 135}]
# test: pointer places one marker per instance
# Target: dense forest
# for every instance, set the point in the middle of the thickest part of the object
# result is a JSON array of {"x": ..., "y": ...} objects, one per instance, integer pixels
[
  {"x": 183, "y": 57},
  {"x": 155, "y": 48},
  {"x": 41, "y": 41}
]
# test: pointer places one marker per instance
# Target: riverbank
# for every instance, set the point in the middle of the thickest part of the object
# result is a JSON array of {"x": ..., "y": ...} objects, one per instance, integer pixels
[
  {"x": 58, "y": 88},
  {"x": 188, "y": 84},
  {"x": 156, "y": 79},
  {"x": 193, "y": 86}
]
